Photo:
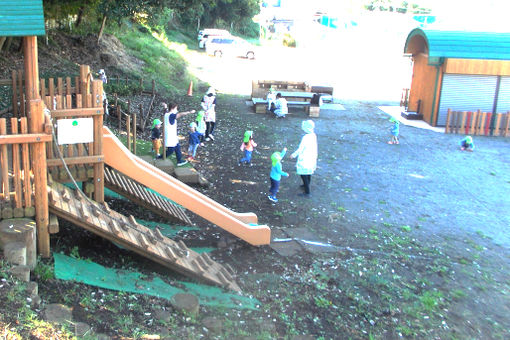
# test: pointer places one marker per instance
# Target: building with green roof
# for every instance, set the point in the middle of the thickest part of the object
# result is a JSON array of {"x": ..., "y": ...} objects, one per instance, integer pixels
[
  {"x": 458, "y": 70},
  {"x": 21, "y": 18}
]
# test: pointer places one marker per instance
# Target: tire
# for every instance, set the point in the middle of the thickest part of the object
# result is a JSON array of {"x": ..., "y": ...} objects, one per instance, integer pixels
[
  {"x": 250, "y": 55},
  {"x": 218, "y": 54}
]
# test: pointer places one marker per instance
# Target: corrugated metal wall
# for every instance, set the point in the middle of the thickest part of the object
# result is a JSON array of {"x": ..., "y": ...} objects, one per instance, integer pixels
[
  {"x": 463, "y": 92},
  {"x": 503, "y": 104},
  {"x": 21, "y": 18}
]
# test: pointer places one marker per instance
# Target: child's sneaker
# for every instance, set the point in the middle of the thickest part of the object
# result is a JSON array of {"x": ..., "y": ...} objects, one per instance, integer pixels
[
  {"x": 211, "y": 136},
  {"x": 272, "y": 199},
  {"x": 182, "y": 163},
  {"x": 207, "y": 139}
]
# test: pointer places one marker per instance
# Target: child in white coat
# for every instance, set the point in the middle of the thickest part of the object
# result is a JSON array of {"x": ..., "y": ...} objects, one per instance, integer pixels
[{"x": 306, "y": 155}]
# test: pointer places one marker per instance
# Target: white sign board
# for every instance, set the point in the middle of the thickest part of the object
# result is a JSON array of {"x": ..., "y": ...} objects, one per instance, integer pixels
[{"x": 74, "y": 131}]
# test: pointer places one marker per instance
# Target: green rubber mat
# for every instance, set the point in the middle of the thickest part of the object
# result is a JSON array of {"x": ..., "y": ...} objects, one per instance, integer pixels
[
  {"x": 167, "y": 230},
  {"x": 68, "y": 268}
]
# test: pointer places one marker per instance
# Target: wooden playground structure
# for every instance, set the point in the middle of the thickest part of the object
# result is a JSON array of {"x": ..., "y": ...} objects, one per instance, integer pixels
[{"x": 35, "y": 163}]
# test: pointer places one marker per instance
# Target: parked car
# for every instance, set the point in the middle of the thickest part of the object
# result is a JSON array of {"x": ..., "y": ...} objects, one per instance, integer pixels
[
  {"x": 207, "y": 33},
  {"x": 230, "y": 46}
]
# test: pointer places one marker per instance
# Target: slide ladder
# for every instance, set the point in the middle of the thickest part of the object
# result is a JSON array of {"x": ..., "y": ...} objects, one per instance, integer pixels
[
  {"x": 243, "y": 225},
  {"x": 72, "y": 206}
]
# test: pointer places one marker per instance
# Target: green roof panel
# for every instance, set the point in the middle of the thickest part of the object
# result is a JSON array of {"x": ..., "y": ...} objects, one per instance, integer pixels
[
  {"x": 21, "y": 18},
  {"x": 464, "y": 44}
]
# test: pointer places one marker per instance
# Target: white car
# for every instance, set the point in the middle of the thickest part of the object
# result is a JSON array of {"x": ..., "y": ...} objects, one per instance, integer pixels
[
  {"x": 206, "y": 34},
  {"x": 230, "y": 46}
]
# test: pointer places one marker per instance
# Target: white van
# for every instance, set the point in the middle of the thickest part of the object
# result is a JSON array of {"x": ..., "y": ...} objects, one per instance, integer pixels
[{"x": 204, "y": 35}]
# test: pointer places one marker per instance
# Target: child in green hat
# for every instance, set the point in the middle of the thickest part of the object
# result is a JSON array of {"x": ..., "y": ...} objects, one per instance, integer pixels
[
  {"x": 248, "y": 147},
  {"x": 201, "y": 126},
  {"x": 466, "y": 144},
  {"x": 395, "y": 129},
  {"x": 156, "y": 137},
  {"x": 276, "y": 174}
]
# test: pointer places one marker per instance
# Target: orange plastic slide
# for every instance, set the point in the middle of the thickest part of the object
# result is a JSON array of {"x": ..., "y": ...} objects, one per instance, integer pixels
[{"x": 242, "y": 225}]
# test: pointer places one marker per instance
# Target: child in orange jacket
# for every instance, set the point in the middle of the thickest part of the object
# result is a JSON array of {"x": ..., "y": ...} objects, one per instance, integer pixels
[{"x": 248, "y": 147}]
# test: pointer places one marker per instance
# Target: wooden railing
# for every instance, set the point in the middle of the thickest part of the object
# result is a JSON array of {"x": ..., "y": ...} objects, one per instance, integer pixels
[{"x": 478, "y": 123}]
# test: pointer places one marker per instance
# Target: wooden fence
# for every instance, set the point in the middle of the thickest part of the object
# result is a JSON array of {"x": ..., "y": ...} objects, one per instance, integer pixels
[
  {"x": 23, "y": 173},
  {"x": 478, "y": 123},
  {"x": 85, "y": 161}
]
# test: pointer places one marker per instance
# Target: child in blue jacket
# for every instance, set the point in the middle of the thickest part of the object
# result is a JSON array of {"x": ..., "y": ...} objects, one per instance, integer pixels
[{"x": 276, "y": 174}]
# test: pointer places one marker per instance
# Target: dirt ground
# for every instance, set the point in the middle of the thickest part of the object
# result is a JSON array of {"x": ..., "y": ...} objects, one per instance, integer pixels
[{"x": 396, "y": 241}]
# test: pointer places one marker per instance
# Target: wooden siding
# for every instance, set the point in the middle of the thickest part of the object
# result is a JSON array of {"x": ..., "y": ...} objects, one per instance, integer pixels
[
  {"x": 422, "y": 86},
  {"x": 476, "y": 66}
]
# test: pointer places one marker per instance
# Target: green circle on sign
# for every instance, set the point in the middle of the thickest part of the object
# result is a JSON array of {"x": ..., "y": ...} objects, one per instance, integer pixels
[{"x": 75, "y": 123}]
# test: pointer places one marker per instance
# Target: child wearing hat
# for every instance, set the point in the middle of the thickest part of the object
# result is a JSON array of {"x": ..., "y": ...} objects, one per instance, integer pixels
[
  {"x": 194, "y": 141},
  {"x": 271, "y": 98},
  {"x": 276, "y": 174},
  {"x": 466, "y": 144},
  {"x": 201, "y": 127},
  {"x": 394, "y": 131},
  {"x": 156, "y": 137},
  {"x": 247, "y": 146}
]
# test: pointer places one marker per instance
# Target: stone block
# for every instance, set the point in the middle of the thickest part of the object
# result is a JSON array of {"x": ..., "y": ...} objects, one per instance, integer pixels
[
  {"x": 21, "y": 273},
  {"x": 187, "y": 175},
  {"x": 165, "y": 165}
]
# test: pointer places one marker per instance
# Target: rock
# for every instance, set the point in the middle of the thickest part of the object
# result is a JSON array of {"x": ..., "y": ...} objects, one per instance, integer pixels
[
  {"x": 57, "y": 313},
  {"x": 186, "y": 303},
  {"x": 16, "y": 253},
  {"x": 36, "y": 301},
  {"x": 162, "y": 315},
  {"x": 214, "y": 325},
  {"x": 187, "y": 175},
  {"x": 165, "y": 165},
  {"x": 20, "y": 230},
  {"x": 101, "y": 336},
  {"x": 32, "y": 289},
  {"x": 21, "y": 273},
  {"x": 81, "y": 329}
]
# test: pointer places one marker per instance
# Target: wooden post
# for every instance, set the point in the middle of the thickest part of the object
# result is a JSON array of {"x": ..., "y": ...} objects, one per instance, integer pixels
[
  {"x": 497, "y": 129},
  {"x": 31, "y": 70},
  {"x": 15, "y": 109},
  {"x": 84, "y": 83},
  {"x": 4, "y": 163},
  {"x": 142, "y": 119},
  {"x": 447, "y": 128},
  {"x": 51, "y": 89},
  {"x": 40, "y": 179},
  {"x": 97, "y": 92},
  {"x": 474, "y": 120},
  {"x": 117, "y": 108},
  {"x": 153, "y": 86},
  {"x": 141, "y": 85},
  {"x": 68, "y": 86},
  {"x": 16, "y": 168},
  {"x": 507, "y": 123},
  {"x": 128, "y": 130},
  {"x": 134, "y": 133}
]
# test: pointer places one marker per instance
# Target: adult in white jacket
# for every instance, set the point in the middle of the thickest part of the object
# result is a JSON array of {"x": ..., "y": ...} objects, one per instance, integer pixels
[{"x": 306, "y": 155}]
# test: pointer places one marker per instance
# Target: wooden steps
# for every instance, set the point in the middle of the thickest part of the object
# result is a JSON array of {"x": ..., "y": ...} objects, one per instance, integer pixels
[
  {"x": 138, "y": 194},
  {"x": 71, "y": 205}
]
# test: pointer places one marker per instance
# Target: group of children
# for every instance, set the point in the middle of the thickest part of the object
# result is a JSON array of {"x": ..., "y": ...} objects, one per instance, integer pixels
[
  {"x": 306, "y": 155},
  {"x": 199, "y": 131},
  {"x": 466, "y": 144}
]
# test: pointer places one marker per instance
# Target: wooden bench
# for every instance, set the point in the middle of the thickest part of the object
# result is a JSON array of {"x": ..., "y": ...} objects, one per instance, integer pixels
[{"x": 260, "y": 105}]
